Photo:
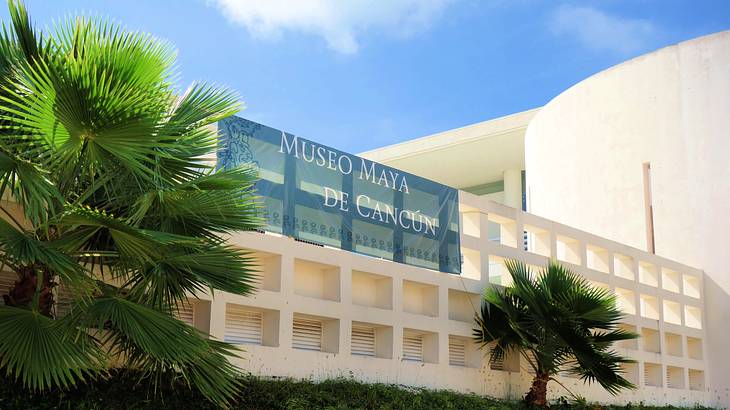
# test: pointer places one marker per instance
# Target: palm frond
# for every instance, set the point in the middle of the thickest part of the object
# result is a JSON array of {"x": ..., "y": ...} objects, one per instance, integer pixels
[
  {"x": 606, "y": 339},
  {"x": 604, "y": 368},
  {"x": 192, "y": 270},
  {"x": 28, "y": 184},
  {"x": 558, "y": 320},
  {"x": 593, "y": 306},
  {"x": 188, "y": 125},
  {"x": 199, "y": 212},
  {"x": 495, "y": 330},
  {"x": 30, "y": 41},
  {"x": 242, "y": 177},
  {"x": 156, "y": 342},
  {"x": 42, "y": 352},
  {"x": 113, "y": 172},
  {"x": 98, "y": 101},
  {"x": 23, "y": 249},
  {"x": 201, "y": 105},
  {"x": 95, "y": 230}
]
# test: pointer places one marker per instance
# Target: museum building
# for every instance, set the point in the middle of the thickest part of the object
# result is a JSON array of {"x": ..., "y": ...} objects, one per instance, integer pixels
[{"x": 372, "y": 266}]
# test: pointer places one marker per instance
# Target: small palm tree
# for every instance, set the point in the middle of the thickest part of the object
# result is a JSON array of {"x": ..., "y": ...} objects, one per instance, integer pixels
[
  {"x": 559, "y": 323},
  {"x": 107, "y": 195}
]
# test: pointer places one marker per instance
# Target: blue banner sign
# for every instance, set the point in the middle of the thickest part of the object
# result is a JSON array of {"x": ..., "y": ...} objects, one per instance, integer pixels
[{"x": 319, "y": 194}]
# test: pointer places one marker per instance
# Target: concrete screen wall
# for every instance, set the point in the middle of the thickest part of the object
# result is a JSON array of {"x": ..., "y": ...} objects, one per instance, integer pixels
[{"x": 334, "y": 313}]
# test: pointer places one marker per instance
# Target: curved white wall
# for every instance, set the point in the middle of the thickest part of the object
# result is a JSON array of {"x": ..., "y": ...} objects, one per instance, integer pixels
[{"x": 584, "y": 156}]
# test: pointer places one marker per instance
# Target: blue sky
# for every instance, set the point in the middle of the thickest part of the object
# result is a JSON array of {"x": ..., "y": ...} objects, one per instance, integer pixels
[{"x": 357, "y": 75}]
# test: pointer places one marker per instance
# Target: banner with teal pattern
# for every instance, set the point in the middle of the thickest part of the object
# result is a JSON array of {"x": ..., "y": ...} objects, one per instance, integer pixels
[{"x": 319, "y": 194}]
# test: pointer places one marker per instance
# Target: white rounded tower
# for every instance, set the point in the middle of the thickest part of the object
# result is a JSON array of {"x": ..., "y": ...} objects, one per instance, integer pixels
[{"x": 640, "y": 153}]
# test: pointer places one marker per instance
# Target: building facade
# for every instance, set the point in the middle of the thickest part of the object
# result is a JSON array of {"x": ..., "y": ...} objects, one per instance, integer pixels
[
  {"x": 635, "y": 155},
  {"x": 322, "y": 312},
  {"x": 623, "y": 178}
]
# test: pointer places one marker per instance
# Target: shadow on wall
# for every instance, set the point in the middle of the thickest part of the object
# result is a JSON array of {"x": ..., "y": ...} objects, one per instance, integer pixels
[{"x": 717, "y": 311}]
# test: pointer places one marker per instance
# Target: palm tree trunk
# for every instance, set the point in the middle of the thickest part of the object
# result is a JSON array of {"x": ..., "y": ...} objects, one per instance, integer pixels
[
  {"x": 537, "y": 396},
  {"x": 23, "y": 292}
]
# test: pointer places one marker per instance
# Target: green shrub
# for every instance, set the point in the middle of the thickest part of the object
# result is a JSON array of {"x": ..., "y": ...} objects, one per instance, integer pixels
[{"x": 127, "y": 390}]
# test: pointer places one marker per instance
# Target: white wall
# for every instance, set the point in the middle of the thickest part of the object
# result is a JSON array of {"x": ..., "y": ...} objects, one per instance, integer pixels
[
  {"x": 584, "y": 156},
  {"x": 394, "y": 298}
]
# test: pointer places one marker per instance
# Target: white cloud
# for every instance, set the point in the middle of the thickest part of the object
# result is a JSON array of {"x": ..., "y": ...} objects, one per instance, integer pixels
[
  {"x": 339, "y": 22},
  {"x": 601, "y": 31}
]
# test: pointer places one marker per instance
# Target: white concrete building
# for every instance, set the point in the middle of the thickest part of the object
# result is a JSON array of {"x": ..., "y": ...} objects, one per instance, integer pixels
[
  {"x": 643, "y": 150},
  {"x": 625, "y": 178}
]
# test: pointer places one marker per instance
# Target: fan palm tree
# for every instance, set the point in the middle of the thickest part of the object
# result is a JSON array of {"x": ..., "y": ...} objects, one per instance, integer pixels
[
  {"x": 107, "y": 194},
  {"x": 559, "y": 323}
]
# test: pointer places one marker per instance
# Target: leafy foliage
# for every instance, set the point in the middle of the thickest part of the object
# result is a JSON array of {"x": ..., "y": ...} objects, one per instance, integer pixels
[
  {"x": 26, "y": 335},
  {"x": 123, "y": 391},
  {"x": 106, "y": 178},
  {"x": 558, "y": 322}
]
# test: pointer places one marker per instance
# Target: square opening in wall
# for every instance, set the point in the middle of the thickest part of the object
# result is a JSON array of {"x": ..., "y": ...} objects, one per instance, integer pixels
[
  {"x": 568, "y": 250},
  {"x": 250, "y": 325},
  {"x": 463, "y": 352},
  {"x": 623, "y": 266},
  {"x": 597, "y": 258},
  {"x": 672, "y": 312},
  {"x": 652, "y": 374},
  {"x": 470, "y": 223},
  {"x": 420, "y": 346},
  {"x": 502, "y": 230},
  {"x": 315, "y": 333},
  {"x": 673, "y": 343},
  {"x": 696, "y": 380},
  {"x": 316, "y": 280},
  {"x": 691, "y": 286},
  {"x": 625, "y": 301},
  {"x": 457, "y": 351},
  {"x": 269, "y": 270},
  {"x": 648, "y": 274},
  {"x": 463, "y": 305},
  {"x": 471, "y": 263},
  {"x": 694, "y": 348},
  {"x": 538, "y": 240},
  {"x": 650, "y": 340},
  {"x": 693, "y": 317},
  {"x": 649, "y": 307},
  {"x": 498, "y": 273},
  {"x": 675, "y": 377},
  {"x": 371, "y": 340},
  {"x": 196, "y": 313},
  {"x": 372, "y": 290},
  {"x": 670, "y": 280},
  {"x": 420, "y": 298}
]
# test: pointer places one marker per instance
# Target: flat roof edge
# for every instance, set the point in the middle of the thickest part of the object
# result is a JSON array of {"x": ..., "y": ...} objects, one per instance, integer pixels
[{"x": 436, "y": 141}]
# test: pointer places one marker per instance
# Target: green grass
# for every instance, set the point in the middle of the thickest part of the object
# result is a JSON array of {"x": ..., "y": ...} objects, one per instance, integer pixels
[{"x": 125, "y": 391}]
